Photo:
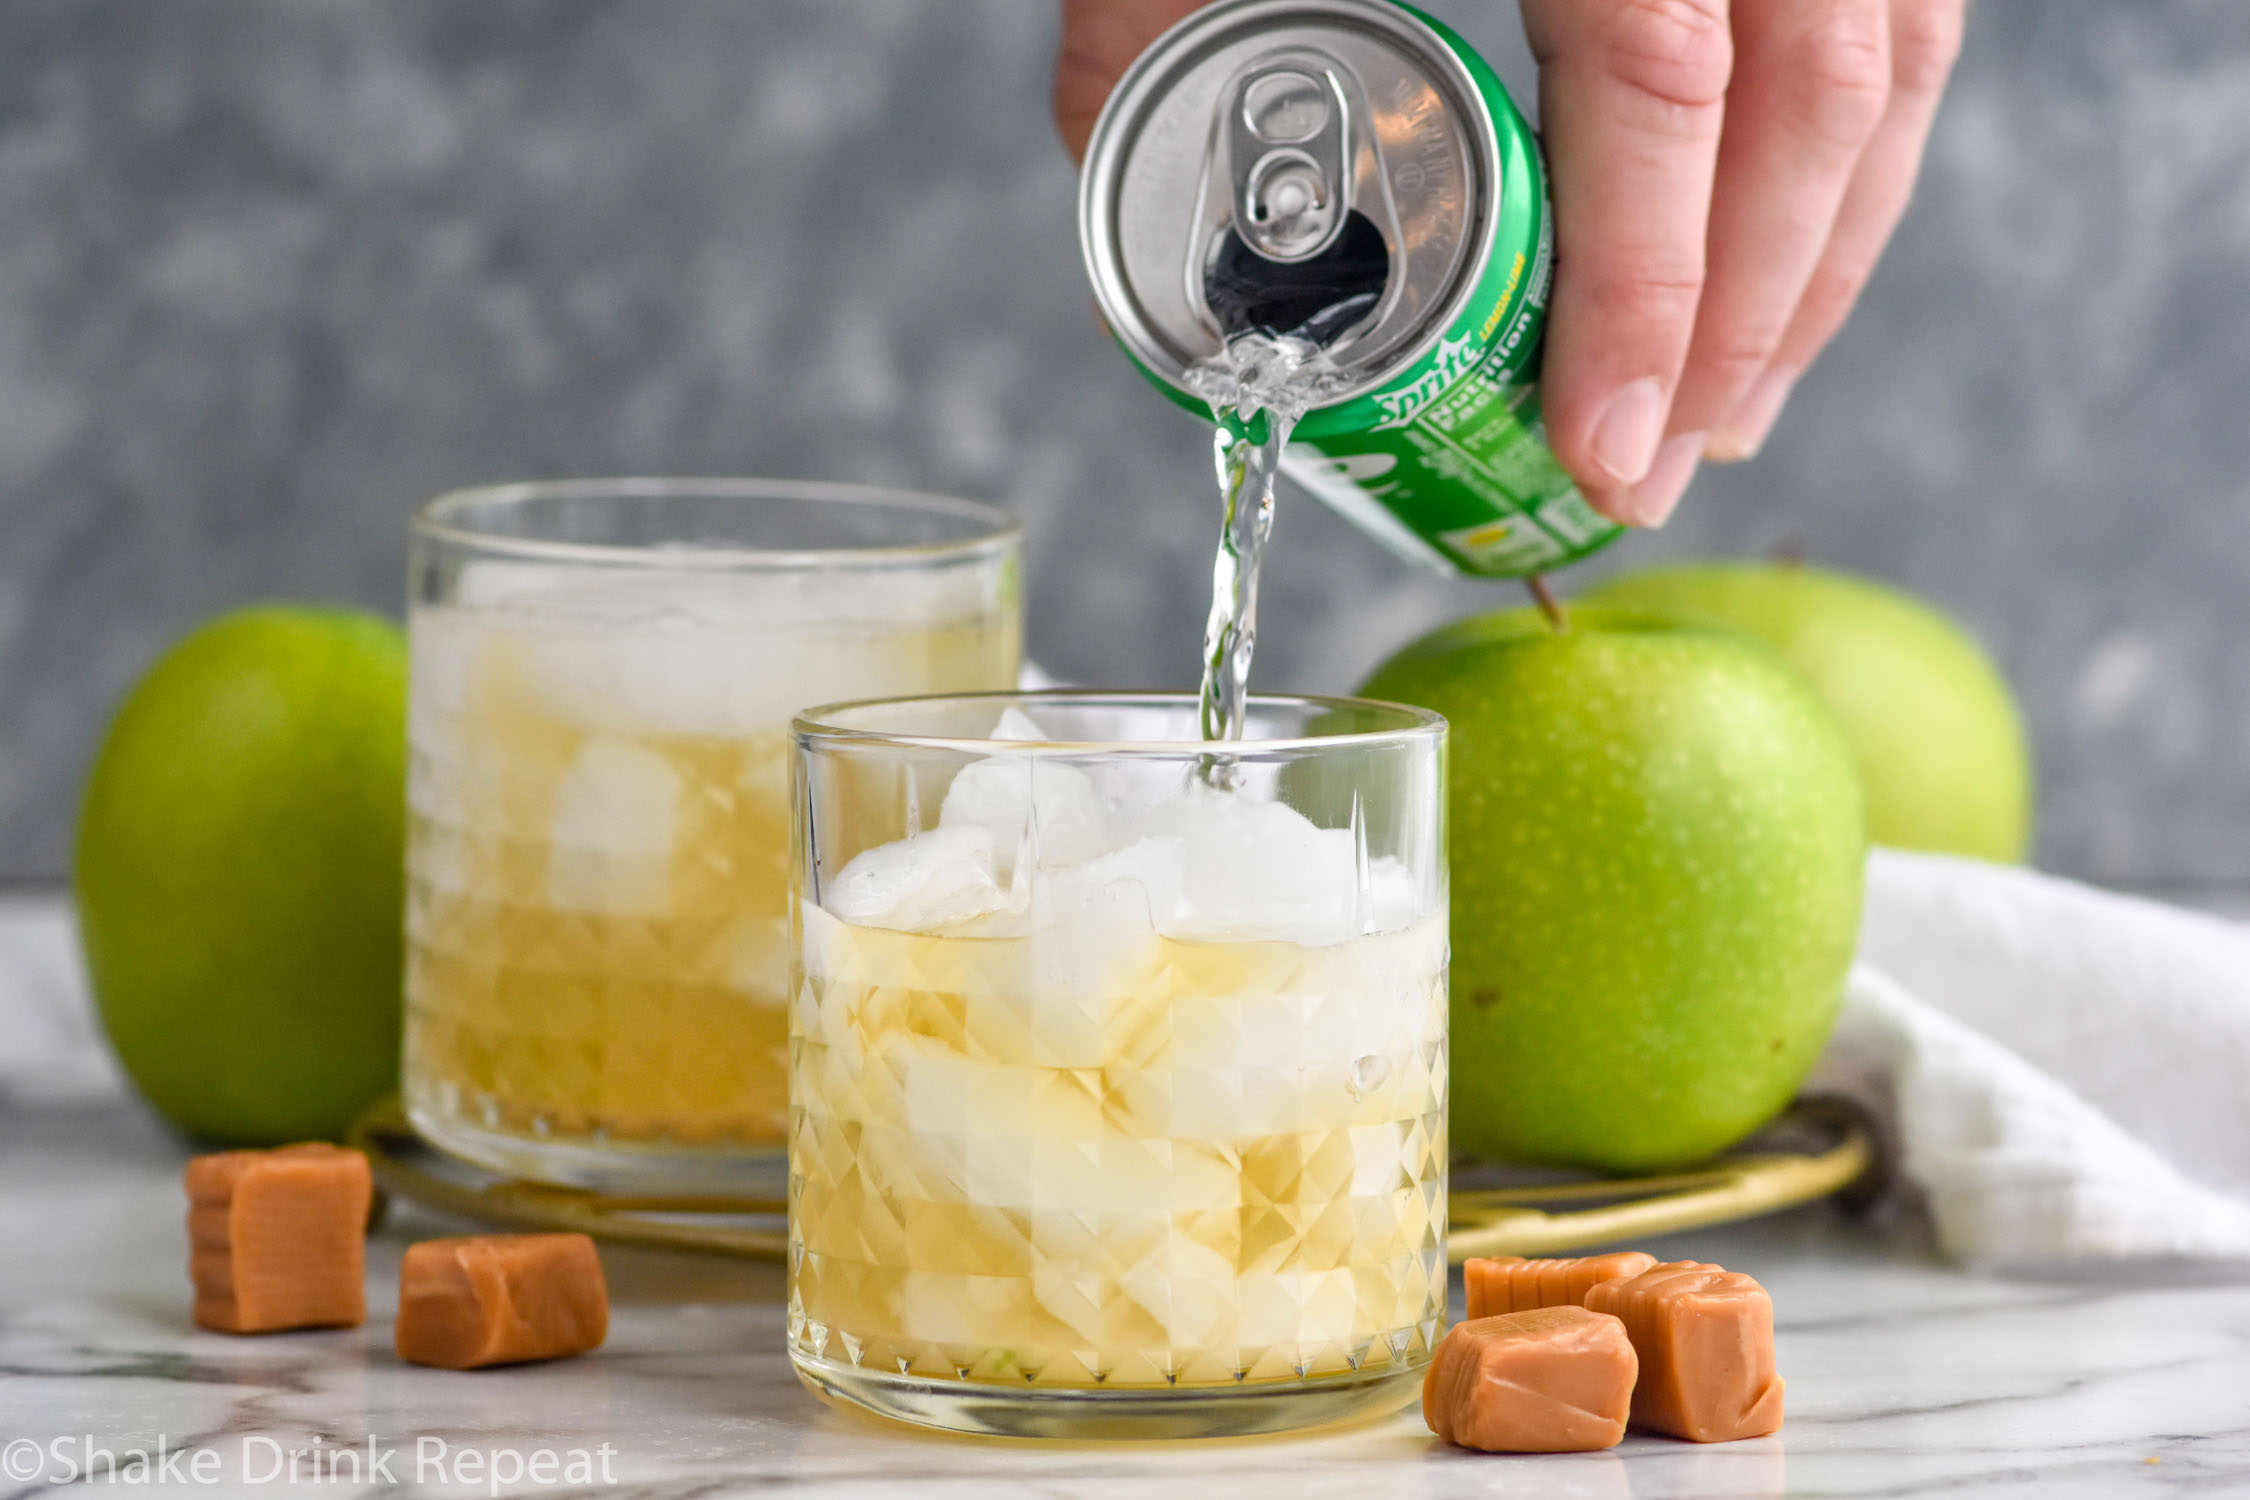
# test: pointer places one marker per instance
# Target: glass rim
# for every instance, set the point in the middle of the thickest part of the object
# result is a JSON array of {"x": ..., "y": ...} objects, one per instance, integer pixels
[
  {"x": 820, "y": 727},
  {"x": 437, "y": 520}
]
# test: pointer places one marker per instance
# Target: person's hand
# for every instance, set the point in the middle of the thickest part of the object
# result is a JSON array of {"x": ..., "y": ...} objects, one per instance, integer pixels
[
  {"x": 1100, "y": 39},
  {"x": 1724, "y": 176}
]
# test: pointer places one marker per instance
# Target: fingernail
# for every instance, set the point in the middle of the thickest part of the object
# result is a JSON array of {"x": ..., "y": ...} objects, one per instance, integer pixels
[
  {"x": 1650, "y": 502},
  {"x": 1744, "y": 431},
  {"x": 1628, "y": 430}
]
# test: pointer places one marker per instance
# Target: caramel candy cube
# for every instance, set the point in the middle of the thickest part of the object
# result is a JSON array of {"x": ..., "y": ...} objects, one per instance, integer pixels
[
  {"x": 1549, "y": 1380},
  {"x": 1705, "y": 1338},
  {"x": 1509, "y": 1283},
  {"x": 499, "y": 1299},
  {"x": 277, "y": 1239}
]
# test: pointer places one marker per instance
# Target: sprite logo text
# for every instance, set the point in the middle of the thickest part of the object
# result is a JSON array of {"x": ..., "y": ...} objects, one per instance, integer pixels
[{"x": 1455, "y": 358}]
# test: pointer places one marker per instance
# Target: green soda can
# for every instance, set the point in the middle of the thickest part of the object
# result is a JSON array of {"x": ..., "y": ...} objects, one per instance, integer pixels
[{"x": 1350, "y": 173}]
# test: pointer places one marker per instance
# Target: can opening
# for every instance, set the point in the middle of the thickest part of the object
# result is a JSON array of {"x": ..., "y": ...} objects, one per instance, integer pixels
[
  {"x": 1295, "y": 255},
  {"x": 1316, "y": 299},
  {"x": 1320, "y": 170}
]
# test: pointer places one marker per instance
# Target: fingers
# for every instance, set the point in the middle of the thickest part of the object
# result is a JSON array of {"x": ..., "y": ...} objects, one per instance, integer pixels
[
  {"x": 1630, "y": 97},
  {"x": 1811, "y": 82},
  {"x": 1100, "y": 38},
  {"x": 1722, "y": 188},
  {"x": 1925, "y": 38}
]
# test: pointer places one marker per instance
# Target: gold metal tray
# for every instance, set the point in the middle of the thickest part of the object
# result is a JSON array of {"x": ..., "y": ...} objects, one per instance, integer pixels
[{"x": 1817, "y": 1147}]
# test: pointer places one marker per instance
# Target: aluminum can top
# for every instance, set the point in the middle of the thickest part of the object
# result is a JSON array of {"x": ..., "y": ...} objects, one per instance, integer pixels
[{"x": 1270, "y": 142}]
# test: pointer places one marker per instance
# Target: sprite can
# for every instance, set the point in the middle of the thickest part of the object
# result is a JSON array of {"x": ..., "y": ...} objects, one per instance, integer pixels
[{"x": 1350, "y": 172}]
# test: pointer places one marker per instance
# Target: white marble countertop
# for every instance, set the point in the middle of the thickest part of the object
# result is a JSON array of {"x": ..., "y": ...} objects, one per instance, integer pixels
[{"x": 1905, "y": 1376}]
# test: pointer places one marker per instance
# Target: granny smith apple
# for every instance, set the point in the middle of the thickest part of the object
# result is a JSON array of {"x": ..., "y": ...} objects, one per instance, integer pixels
[
  {"x": 1940, "y": 746},
  {"x": 1657, "y": 843},
  {"x": 240, "y": 874}
]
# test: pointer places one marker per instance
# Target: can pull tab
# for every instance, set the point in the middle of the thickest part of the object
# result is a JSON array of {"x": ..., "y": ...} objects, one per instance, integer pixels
[
  {"x": 1292, "y": 256},
  {"x": 1290, "y": 155}
]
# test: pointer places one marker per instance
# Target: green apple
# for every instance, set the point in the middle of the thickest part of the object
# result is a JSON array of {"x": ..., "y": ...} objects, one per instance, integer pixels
[
  {"x": 1657, "y": 848},
  {"x": 240, "y": 874},
  {"x": 1940, "y": 745}
]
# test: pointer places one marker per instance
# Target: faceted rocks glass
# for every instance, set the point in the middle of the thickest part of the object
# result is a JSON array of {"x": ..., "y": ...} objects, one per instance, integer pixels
[
  {"x": 603, "y": 674},
  {"x": 1117, "y": 1062}
]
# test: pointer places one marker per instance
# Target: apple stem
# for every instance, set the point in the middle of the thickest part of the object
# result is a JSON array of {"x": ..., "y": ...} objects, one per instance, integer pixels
[
  {"x": 1549, "y": 605},
  {"x": 1790, "y": 552}
]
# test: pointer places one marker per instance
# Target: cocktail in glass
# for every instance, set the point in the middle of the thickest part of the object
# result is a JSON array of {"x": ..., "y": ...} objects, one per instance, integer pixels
[
  {"x": 603, "y": 674},
  {"x": 1118, "y": 1062}
]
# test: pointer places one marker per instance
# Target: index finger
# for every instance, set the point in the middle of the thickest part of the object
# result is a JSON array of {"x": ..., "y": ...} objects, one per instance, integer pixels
[{"x": 1631, "y": 95}]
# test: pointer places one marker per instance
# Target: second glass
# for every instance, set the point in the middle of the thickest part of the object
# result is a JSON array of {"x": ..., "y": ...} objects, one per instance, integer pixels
[{"x": 603, "y": 674}]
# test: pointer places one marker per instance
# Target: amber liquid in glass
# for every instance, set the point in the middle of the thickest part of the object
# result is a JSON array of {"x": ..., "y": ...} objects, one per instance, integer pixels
[
  {"x": 599, "y": 946},
  {"x": 1102, "y": 1157}
]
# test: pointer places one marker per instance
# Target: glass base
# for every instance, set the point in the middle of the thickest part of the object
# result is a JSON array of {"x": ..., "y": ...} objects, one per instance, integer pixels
[
  {"x": 650, "y": 1168},
  {"x": 1099, "y": 1414}
]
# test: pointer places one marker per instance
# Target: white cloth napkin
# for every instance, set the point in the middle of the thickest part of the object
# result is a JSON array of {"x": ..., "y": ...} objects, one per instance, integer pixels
[
  {"x": 51, "y": 1050},
  {"x": 2067, "y": 1070}
]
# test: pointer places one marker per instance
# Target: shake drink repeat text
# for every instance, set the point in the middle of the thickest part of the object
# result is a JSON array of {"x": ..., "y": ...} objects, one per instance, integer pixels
[{"x": 253, "y": 1459}]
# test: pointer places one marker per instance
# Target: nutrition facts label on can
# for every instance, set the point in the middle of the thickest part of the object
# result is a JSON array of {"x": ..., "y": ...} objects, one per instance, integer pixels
[
  {"x": 1485, "y": 437},
  {"x": 1470, "y": 477}
]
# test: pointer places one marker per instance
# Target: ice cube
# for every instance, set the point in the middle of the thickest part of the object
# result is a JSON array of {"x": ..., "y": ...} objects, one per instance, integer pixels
[
  {"x": 1257, "y": 870},
  {"x": 1187, "y": 1286},
  {"x": 1015, "y": 724},
  {"x": 671, "y": 674},
  {"x": 758, "y": 600},
  {"x": 1260, "y": 870},
  {"x": 610, "y": 837},
  {"x": 1395, "y": 898},
  {"x": 973, "y": 1121},
  {"x": 444, "y": 644},
  {"x": 1029, "y": 803},
  {"x": 1121, "y": 893},
  {"x": 1076, "y": 985},
  {"x": 1198, "y": 865},
  {"x": 938, "y": 878},
  {"x": 683, "y": 652}
]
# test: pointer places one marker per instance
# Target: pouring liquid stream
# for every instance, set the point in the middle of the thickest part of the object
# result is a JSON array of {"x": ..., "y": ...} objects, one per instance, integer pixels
[{"x": 1258, "y": 388}]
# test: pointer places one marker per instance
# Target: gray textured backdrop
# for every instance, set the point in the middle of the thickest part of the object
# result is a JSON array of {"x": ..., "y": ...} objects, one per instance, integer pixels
[{"x": 273, "y": 272}]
